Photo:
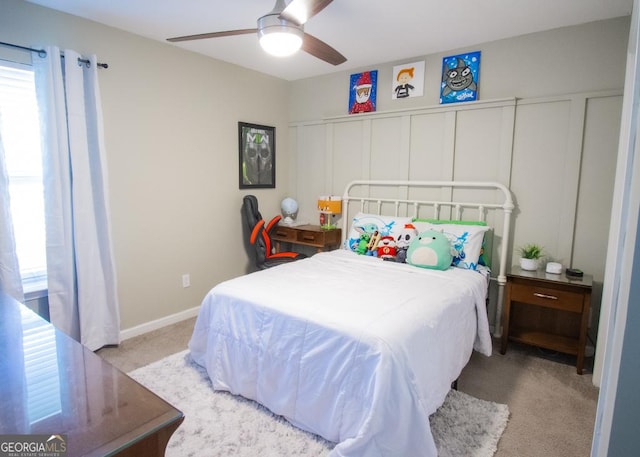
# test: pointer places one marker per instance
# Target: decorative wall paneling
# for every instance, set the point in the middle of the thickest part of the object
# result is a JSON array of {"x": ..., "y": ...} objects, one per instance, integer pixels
[{"x": 557, "y": 154}]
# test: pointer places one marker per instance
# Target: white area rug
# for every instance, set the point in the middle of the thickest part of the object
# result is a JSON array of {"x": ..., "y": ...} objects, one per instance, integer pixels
[{"x": 221, "y": 424}]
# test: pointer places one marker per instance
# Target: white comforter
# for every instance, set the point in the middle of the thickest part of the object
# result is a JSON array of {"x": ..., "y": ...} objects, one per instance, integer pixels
[{"x": 352, "y": 348}]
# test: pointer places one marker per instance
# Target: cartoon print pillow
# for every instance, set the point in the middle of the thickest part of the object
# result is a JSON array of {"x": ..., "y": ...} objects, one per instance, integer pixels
[
  {"x": 430, "y": 249},
  {"x": 364, "y": 223},
  {"x": 465, "y": 239}
]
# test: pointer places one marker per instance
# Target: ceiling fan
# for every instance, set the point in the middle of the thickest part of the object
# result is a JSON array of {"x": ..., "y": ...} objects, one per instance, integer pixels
[{"x": 281, "y": 31}]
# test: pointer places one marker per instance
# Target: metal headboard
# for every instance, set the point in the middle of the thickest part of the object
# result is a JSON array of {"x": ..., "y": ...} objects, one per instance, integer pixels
[{"x": 413, "y": 207}]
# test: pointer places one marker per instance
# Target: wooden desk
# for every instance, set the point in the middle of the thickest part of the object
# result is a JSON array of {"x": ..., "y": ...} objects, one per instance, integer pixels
[
  {"x": 53, "y": 385},
  {"x": 548, "y": 311},
  {"x": 307, "y": 235}
]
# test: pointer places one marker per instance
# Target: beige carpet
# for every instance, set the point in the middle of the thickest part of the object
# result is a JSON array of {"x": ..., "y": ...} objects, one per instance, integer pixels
[{"x": 552, "y": 408}]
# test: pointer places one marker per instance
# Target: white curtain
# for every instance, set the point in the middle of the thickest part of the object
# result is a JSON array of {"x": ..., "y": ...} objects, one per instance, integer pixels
[
  {"x": 10, "y": 280},
  {"x": 80, "y": 268}
]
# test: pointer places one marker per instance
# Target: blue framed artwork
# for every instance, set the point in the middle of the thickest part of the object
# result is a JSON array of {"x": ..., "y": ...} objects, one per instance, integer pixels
[
  {"x": 362, "y": 92},
  {"x": 460, "y": 75}
]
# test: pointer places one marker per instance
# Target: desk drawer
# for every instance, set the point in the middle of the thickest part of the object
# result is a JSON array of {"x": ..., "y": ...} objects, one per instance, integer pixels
[
  {"x": 283, "y": 234},
  {"x": 311, "y": 237},
  {"x": 548, "y": 297}
]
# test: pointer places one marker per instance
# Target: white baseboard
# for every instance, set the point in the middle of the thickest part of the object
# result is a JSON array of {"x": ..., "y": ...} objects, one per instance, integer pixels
[{"x": 158, "y": 323}]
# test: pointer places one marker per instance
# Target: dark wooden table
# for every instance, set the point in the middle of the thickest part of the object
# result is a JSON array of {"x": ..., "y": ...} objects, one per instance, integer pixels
[
  {"x": 53, "y": 385},
  {"x": 547, "y": 310},
  {"x": 307, "y": 235}
]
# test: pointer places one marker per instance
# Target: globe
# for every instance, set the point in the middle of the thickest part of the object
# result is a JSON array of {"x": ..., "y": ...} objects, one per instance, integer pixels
[{"x": 289, "y": 208}]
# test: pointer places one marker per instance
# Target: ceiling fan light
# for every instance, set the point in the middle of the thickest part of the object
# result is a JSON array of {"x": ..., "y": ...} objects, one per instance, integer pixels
[
  {"x": 280, "y": 44},
  {"x": 279, "y": 37}
]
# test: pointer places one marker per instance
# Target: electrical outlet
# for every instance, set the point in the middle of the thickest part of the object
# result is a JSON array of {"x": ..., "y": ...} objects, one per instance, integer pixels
[{"x": 186, "y": 280}]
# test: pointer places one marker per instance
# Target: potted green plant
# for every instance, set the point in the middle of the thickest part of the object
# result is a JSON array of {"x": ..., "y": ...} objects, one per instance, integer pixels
[{"x": 530, "y": 255}]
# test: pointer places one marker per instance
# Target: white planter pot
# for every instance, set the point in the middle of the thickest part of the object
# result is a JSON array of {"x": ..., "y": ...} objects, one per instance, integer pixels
[{"x": 529, "y": 264}]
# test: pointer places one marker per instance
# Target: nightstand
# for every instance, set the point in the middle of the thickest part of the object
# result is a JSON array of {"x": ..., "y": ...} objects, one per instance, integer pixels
[
  {"x": 307, "y": 235},
  {"x": 548, "y": 311}
]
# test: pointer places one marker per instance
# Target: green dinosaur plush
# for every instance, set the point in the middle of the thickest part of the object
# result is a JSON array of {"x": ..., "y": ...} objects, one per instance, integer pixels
[{"x": 363, "y": 243}]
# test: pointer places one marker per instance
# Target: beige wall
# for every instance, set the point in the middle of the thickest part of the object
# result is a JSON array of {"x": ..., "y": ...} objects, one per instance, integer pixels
[
  {"x": 171, "y": 138},
  {"x": 584, "y": 58},
  {"x": 546, "y": 125}
]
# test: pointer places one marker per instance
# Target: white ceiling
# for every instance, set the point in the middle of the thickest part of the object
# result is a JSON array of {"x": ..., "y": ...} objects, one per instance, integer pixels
[{"x": 366, "y": 32}]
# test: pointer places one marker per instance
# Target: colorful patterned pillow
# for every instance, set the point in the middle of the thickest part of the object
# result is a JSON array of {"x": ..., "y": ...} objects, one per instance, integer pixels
[
  {"x": 364, "y": 222},
  {"x": 485, "y": 258},
  {"x": 466, "y": 239}
]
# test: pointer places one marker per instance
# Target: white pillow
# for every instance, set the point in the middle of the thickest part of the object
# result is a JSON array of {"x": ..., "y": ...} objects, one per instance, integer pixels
[
  {"x": 385, "y": 225},
  {"x": 465, "y": 239}
]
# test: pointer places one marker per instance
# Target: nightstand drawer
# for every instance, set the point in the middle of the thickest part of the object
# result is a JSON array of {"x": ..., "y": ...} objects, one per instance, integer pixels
[
  {"x": 548, "y": 297},
  {"x": 284, "y": 234}
]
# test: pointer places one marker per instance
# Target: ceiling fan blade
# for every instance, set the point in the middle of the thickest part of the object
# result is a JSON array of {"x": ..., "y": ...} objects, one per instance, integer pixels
[
  {"x": 300, "y": 11},
  {"x": 322, "y": 50},
  {"x": 202, "y": 36}
]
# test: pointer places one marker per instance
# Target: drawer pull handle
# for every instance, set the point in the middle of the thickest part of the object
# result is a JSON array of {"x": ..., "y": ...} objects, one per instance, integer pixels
[
  {"x": 550, "y": 297},
  {"x": 308, "y": 237}
]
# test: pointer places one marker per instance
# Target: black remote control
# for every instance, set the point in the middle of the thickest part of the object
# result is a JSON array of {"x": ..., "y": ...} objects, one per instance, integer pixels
[{"x": 574, "y": 273}]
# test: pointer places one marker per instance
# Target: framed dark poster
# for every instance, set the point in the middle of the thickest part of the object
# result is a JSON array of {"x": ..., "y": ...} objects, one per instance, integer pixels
[{"x": 257, "y": 155}]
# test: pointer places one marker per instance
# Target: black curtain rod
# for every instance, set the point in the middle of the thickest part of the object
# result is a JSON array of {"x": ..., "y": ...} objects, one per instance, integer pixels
[{"x": 42, "y": 53}]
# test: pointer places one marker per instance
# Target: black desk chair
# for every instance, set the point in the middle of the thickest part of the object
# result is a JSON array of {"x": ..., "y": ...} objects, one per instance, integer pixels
[{"x": 259, "y": 236}]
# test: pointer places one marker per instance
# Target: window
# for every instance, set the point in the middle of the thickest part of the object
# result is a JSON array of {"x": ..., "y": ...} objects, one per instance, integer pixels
[{"x": 20, "y": 132}]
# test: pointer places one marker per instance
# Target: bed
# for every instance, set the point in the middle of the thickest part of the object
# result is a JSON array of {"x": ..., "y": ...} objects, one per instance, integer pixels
[{"x": 358, "y": 350}]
